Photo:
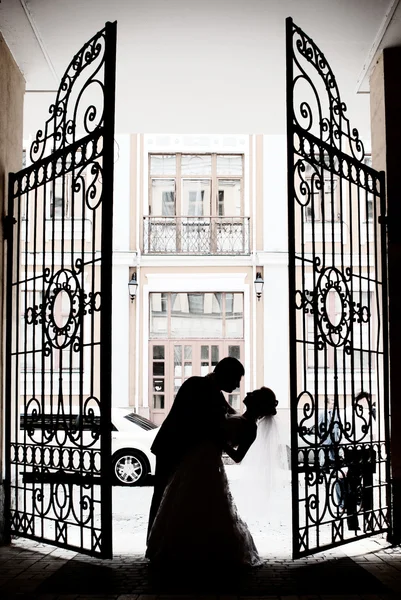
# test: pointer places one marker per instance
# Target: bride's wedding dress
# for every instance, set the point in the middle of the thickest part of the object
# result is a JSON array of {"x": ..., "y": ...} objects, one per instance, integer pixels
[{"x": 197, "y": 520}]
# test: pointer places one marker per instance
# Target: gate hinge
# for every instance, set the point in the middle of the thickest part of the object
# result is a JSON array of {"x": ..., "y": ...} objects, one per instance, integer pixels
[{"x": 8, "y": 223}]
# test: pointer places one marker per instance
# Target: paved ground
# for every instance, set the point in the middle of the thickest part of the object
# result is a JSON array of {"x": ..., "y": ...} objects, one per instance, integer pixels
[
  {"x": 364, "y": 570},
  {"x": 272, "y": 534}
]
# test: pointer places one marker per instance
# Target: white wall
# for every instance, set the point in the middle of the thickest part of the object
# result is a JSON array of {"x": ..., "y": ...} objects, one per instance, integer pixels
[
  {"x": 275, "y": 262},
  {"x": 121, "y": 262}
]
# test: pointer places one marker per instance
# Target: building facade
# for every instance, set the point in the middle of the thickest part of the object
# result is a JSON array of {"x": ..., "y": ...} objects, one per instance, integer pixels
[{"x": 190, "y": 224}]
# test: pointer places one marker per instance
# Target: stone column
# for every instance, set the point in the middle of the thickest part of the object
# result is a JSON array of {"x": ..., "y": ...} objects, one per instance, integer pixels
[{"x": 385, "y": 94}]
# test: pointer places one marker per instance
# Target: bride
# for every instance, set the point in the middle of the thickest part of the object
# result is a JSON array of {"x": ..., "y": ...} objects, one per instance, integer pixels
[{"x": 197, "y": 519}]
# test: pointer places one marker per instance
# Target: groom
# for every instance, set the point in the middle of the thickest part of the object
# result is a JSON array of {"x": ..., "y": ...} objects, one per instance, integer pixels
[{"x": 197, "y": 414}]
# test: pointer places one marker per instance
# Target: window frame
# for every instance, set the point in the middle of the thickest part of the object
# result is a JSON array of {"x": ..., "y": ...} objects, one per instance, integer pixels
[
  {"x": 225, "y": 315},
  {"x": 213, "y": 177}
]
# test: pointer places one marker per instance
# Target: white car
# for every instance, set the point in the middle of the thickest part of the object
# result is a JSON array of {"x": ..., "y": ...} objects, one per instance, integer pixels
[{"x": 132, "y": 436}]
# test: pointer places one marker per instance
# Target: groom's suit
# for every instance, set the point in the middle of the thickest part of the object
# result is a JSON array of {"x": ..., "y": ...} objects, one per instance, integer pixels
[{"x": 197, "y": 414}]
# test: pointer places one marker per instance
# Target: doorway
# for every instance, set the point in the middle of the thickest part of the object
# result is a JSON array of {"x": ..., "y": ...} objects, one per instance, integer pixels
[{"x": 174, "y": 361}]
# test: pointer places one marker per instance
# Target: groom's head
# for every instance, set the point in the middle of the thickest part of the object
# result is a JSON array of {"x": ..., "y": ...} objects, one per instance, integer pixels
[{"x": 228, "y": 373}]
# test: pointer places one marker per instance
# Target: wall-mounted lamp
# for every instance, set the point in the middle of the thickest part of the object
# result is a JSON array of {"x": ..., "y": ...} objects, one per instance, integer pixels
[
  {"x": 258, "y": 283},
  {"x": 132, "y": 287}
]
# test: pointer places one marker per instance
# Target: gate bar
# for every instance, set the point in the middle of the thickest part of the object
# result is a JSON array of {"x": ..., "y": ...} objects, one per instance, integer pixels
[{"x": 291, "y": 284}]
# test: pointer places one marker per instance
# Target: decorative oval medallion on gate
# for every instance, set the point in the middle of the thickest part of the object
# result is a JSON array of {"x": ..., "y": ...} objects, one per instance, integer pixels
[
  {"x": 61, "y": 308},
  {"x": 333, "y": 307},
  {"x": 62, "y": 302}
]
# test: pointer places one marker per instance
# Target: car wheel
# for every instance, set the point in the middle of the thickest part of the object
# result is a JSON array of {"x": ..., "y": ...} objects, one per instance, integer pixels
[{"x": 129, "y": 468}]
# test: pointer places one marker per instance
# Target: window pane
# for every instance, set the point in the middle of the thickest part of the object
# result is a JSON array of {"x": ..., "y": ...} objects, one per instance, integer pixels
[
  {"x": 196, "y": 197},
  {"x": 196, "y": 302},
  {"x": 234, "y": 351},
  {"x": 215, "y": 355},
  {"x": 158, "y": 315},
  {"x": 163, "y": 197},
  {"x": 230, "y": 164},
  {"x": 370, "y": 211},
  {"x": 158, "y": 352},
  {"x": 229, "y": 198},
  {"x": 196, "y": 164},
  {"x": 177, "y": 385},
  {"x": 204, "y": 368},
  {"x": 162, "y": 164},
  {"x": 234, "y": 315},
  {"x": 204, "y": 352},
  {"x": 188, "y": 352},
  {"x": 158, "y": 401},
  {"x": 59, "y": 196},
  {"x": 158, "y": 385},
  {"x": 196, "y": 316},
  {"x": 178, "y": 354},
  {"x": 158, "y": 368},
  {"x": 229, "y": 303},
  {"x": 177, "y": 361}
]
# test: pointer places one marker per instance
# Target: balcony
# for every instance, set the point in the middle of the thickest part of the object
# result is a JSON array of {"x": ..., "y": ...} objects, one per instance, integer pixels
[{"x": 196, "y": 235}]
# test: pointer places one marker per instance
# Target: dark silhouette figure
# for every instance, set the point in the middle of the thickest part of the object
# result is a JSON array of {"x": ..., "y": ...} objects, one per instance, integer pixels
[
  {"x": 361, "y": 461},
  {"x": 197, "y": 414},
  {"x": 197, "y": 521}
]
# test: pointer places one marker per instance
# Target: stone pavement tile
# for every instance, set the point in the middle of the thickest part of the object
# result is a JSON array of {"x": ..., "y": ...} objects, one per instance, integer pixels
[
  {"x": 266, "y": 597},
  {"x": 97, "y": 596},
  {"x": 343, "y": 597},
  {"x": 91, "y": 597},
  {"x": 178, "y": 597}
]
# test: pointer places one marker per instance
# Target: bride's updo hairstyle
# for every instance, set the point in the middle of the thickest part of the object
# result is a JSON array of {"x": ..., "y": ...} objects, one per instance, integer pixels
[{"x": 261, "y": 402}]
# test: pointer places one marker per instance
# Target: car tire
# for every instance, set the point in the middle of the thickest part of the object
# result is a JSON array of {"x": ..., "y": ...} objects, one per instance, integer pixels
[{"x": 129, "y": 468}]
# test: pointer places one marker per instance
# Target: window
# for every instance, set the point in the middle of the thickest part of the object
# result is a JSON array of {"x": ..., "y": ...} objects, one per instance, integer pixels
[
  {"x": 229, "y": 198},
  {"x": 195, "y": 203},
  {"x": 163, "y": 198},
  {"x": 196, "y": 185},
  {"x": 64, "y": 195},
  {"x": 196, "y": 303},
  {"x": 158, "y": 376},
  {"x": 221, "y": 203},
  {"x": 323, "y": 186},
  {"x": 59, "y": 206},
  {"x": 168, "y": 204},
  {"x": 196, "y": 315}
]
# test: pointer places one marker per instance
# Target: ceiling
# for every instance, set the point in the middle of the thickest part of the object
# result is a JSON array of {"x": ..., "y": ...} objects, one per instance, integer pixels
[{"x": 200, "y": 66}]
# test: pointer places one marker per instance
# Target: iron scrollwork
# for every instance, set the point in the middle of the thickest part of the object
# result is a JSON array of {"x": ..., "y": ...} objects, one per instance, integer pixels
[
  {"x": 330, "y": 125},
  {"x": 72, "y": 116},
  {"x": 339, "y": 415},
  {"x": 59, "y": 302}
]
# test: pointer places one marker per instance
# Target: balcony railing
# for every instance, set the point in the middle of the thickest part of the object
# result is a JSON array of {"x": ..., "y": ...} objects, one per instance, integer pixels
[{"x": 196, "y": 235}]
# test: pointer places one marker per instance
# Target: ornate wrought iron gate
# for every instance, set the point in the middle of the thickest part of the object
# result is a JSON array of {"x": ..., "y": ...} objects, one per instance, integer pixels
[
  {"x": 58, "y": 346},
  {"x": 338, "y": 313}
]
